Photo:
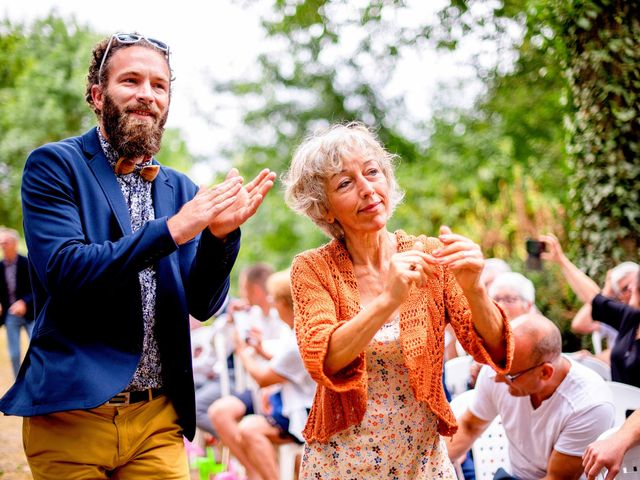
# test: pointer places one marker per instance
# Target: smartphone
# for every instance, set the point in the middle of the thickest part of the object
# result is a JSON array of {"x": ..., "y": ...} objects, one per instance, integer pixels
[{"x": 534, "y": 249}]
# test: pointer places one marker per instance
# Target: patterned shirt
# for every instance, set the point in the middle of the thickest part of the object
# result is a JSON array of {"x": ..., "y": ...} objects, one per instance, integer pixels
[{"x": 137, "y": 194}]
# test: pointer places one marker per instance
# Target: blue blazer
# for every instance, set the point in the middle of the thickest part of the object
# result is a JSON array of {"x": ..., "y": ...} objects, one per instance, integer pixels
[{"x": 85, "y": 260}]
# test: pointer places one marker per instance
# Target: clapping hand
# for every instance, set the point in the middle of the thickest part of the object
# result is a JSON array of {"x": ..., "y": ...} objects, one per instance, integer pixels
[
  {"x": 222, "y": 208},
  {"x": 245, "y": 203}
]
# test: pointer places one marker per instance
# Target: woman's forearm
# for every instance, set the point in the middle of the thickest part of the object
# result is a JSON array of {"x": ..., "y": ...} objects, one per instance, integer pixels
[
  {"x": 489, "y": 322},
  {"x": 350, "y": 339}
]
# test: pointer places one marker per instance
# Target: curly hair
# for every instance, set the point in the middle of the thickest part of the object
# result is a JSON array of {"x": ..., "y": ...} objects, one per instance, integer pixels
[
  {"x": 320, "y": 156},
  {"x": 96, "y": 59}
]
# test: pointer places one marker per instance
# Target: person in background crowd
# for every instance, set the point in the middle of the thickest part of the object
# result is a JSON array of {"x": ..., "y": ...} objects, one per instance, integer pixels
[
  {"x": 370, "y": 312},
  {"x": 492, "y": 268},
  {"x": 625, "y": 354},
  {"x": 253, "y": 318},
  {"x": 253, "y": 439},
  {"x": 16, "y": 296},
  {"x": 121, "y": 251},
  {"x": 516, "y": 295},
  {"x": 619, "y": 287},
  {"x": 551, "y": 407},
  {"x": 514, "y": 292}
]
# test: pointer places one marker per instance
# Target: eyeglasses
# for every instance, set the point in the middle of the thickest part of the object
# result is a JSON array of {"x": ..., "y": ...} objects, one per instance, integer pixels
[
  {"x": 507, "y": 299},
  {"x": 132, "y": 38},
  {"x": 512, "y": 378}
]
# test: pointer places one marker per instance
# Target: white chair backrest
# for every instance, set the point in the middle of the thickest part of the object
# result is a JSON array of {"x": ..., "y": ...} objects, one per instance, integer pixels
[
  {"x": 630, "y": 467},
  {"x": 456, "y": 374},
  {"x": 491, "y": 449},
  {"x": 625, "y": 397},
  {"x": 596, "y": 341},
  {"x": 597, "y": 365},
  {"x": 220, "y": 346},
  {"x": 287, "y": 454}
]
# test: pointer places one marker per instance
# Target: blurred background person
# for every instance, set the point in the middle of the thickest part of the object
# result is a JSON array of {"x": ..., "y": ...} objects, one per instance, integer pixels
[
  {"x": 491, "y": 269},
  {"x": 252, "y": 439},
  {"x": 516, "y": 295},
  {"x": 16, "y": 297},
  {"x": 619, "y": 286},
  {"x": 253, "y": 318},
  {"x": 625, "y": 353}
]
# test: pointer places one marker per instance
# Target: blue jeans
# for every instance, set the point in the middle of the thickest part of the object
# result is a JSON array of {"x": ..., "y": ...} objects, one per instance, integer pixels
[{"x": 13, "y": 324}]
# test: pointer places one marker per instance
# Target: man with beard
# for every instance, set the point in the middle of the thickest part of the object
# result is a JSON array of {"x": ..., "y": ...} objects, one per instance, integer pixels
[{"x": 121, "y": 251}]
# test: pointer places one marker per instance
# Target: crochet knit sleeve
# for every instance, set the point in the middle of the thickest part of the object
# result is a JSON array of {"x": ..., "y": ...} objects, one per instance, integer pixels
[
  {"x": 316, "y": 318},
  {"x": 459, "y": 315}
]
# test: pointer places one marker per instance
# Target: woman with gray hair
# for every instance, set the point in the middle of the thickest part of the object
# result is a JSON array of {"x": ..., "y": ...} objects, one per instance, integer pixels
[
  {"x": 514, "y": 292},
  {"x": 370, "y": 311}
]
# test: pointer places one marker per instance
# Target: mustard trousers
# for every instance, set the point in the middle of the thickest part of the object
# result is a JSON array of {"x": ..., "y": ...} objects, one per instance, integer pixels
[{"x": 137, "y": 441}]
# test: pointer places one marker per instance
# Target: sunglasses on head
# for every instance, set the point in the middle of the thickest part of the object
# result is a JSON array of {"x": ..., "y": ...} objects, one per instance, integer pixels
[{"x": 129, "y": 38}]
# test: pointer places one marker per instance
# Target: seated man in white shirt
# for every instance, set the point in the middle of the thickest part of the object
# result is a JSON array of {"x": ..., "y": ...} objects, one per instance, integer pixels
[{"x": 551, "y": 407}]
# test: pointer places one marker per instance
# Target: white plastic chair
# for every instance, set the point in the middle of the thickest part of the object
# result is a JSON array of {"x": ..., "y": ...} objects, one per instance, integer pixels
[
  {"x": 456, "y": 374},
  {"x": 597, "y": 365},
  {"x": 596, "y": 341},
  {"x": 630, "y": 467},
  {"x": 491, "y": 449},
  {"x": 625, "y": 397},
  {"x": 222, "y": 369},
  {"x": 287, "y": 454}
]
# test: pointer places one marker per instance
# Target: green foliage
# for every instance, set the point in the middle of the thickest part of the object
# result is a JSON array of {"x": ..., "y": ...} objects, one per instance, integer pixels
[
  {"x": 515, "y": 126},
  {"x": 43, "y": 68},
  {"x": 599, "y": 42},
  {"x": 497, "y": 172}
]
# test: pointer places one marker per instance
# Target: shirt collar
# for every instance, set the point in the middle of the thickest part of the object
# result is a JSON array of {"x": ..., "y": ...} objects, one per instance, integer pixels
[{"x": 108, "y": 150}]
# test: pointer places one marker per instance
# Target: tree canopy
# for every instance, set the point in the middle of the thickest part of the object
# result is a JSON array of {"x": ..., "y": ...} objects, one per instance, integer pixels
[{"x": 43, "y": 68}]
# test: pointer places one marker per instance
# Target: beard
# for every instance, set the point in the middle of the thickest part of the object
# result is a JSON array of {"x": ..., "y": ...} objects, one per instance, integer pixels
[{"x": 130, "y": 137}]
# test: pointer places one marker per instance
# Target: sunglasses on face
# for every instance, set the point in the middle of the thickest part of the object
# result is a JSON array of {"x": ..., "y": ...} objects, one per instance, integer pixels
[{"x": 129, "y": 38}]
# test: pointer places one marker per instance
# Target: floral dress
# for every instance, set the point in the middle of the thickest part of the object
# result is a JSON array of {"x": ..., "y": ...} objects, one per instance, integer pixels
[{"x": 398, "y": 437}]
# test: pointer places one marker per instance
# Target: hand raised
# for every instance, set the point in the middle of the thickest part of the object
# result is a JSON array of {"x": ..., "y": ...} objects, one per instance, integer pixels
[
  {"x": 200, "y": 211},
  {"x": 553, "y": 251},
  {"x": 406, "y": 269},
  {"x": 461, "y": 255},
  {"x": 245, "y": 204}
]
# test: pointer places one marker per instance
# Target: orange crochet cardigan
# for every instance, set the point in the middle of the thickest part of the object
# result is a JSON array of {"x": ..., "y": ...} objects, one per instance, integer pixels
[{"x": 325, "y": 294}]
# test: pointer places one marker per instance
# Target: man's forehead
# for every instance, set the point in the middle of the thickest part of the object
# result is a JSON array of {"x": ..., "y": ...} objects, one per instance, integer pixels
[{"x": 138, "y": 58}]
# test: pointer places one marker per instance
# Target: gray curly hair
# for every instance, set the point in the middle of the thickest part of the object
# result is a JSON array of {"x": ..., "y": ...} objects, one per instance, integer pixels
[{"x": 320, "y": 156}]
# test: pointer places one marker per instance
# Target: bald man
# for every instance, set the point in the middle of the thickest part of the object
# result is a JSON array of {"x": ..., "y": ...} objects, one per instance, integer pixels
[{"x": 551, "y": 407}]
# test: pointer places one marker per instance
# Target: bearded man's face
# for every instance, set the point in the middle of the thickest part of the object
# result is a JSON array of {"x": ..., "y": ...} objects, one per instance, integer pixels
[
  {"x": 135, "y": 101},
  {"x": 133, "y": 130}
]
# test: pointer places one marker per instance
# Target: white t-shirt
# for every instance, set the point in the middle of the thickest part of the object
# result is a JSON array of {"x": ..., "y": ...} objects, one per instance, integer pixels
[
  {"x": 271, "y": 326},
  {"x": 297, "y": 393},
  {"x": 580, "y": 409}
]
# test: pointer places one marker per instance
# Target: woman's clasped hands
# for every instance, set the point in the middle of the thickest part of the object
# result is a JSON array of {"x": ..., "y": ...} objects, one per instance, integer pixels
[{"x": 412, "y": 267}]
